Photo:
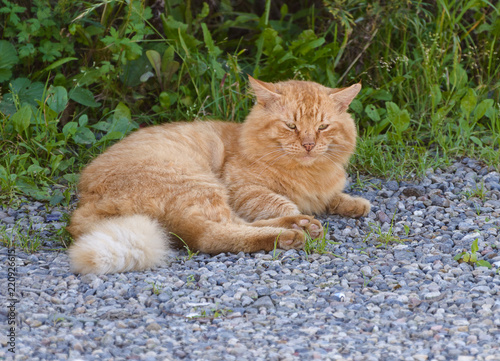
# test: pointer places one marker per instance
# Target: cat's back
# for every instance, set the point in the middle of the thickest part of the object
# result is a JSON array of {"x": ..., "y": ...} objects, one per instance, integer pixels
[{"x": 198, "y": 146}]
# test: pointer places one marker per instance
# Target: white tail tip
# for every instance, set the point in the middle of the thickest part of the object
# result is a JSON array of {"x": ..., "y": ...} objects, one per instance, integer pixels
[{"x": 120, "y": 244}]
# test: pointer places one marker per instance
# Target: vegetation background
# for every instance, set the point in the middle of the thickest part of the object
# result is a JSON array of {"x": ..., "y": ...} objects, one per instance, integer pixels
[{"x": 76, "y": 76}]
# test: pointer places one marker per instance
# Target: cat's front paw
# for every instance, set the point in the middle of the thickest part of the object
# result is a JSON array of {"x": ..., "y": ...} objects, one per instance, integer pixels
[
  {"x": 348, "y": 206},
  {"x": 291, "y": 239}
]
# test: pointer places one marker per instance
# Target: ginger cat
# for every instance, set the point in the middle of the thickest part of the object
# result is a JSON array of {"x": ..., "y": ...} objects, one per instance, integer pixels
[{"x": 219, "y": 186}]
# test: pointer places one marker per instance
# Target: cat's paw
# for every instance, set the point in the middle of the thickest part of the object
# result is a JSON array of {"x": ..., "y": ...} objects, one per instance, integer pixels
[
  {"x": 307, "y": 224},
  {"x": 348, "y": 206},
  {"x": 359, "y": 207},
  {"x": 291, "y": 239}
]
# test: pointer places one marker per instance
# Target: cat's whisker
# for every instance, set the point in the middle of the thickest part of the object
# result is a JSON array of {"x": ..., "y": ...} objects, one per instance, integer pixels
[
  {"x": 265, "y": 155},
  {"x": 339, "y": 146},
  {"x": 334, "y": 162},
  {"x": 268, "y": 166}
]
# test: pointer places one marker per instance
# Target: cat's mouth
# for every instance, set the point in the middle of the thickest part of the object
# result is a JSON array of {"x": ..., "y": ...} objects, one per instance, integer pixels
[{"x": 306, "y": 158}]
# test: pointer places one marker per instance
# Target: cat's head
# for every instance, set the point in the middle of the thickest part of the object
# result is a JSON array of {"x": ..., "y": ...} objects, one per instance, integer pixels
[{"x": 300, "y": 122}]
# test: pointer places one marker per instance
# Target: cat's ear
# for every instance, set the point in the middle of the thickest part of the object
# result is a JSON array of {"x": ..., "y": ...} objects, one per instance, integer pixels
[
  {"x": 343, "y": 97},
  {"x": 265, "y": 92}
]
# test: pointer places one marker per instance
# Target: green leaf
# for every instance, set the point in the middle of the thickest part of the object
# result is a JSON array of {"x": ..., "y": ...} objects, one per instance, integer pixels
[
  {"x": 459, "y": 256},
  {"x": 58, "y": 99},
  {"x": 466, "y": 257},
  {"x": 356, "y": 106},
  {"x": 35, "y": 168},
  {"x": 56, "y": 198},
  {"x": 468, "y": 102},
  {"x": 69, "y": 129},
  {"x": 473, "y": 257},
  {"x": 476, "y": 140},
  {"x": 483, "y": 263},
  {"x": 164, "y": 100},
  {"x": 458, "y": 77},
  {"x": 58, "y": 63},
  {"x": 382, "y": 95},
  {"x": 8, "y": 58},
  {"x": 474, "y": 248},
  {"x": 213, "y": 50},
  {"x": 83, "y": 120},
  {"x": 28, "y": 187},
  {"x": 71, "y": 178},
  {"x": 84, "y": 97},
  {"x": 102, "y": 126},
  {"x": 155, "y": 60},
  {"x": 436, "y": 95},
  {"x": 21, "y": 119},
  {"x": 113, "y": 135},
  {"x": 482, "y": 108},
  {"x": 84, "y": 136},
  {"x": 167, "y": 57},
  {"x": 122, "y": 111},
  {"x": 400, "y": 119},
  {"x": 27, "y": 91},
  {"x": 55, "y": 160},
  {"x": 372, "y": 113}
]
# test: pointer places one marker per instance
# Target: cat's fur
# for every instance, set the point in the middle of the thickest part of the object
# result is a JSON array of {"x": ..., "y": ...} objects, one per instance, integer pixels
[{"x": 219, "y": 186}]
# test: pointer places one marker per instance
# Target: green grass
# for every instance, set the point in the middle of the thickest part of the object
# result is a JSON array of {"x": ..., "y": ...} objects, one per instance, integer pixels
[
  {"x": 320, "y": 245},
  {"x": 478, "y": 192},
  {"x": 26, "y": 238},
  {"x": 190, "y": 252},
  {"x": 384, "y": 238}
]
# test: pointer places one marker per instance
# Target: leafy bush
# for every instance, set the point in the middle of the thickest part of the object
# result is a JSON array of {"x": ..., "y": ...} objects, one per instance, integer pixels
[{"x": 76, "y": 76}]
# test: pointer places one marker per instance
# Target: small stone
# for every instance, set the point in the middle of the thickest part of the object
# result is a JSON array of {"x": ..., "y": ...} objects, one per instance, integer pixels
[
  {"x": 431, "y": 295},
  {"x": 153, "y": 326},
  {"x": 420, "y": 357},
  {"x": 414, "y": 191},
  {"x": 264, "y": 301},
  {"x": 382, "y": 217},
  {"x": 392, "y": 185},
  {"x": 466, "y": 358}
]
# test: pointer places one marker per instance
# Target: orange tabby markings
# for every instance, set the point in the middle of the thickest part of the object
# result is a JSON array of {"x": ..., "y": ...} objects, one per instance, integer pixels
[{"x": 219, "y": 186}]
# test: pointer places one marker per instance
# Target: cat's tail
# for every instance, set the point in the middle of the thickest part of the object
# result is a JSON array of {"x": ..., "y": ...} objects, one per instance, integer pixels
[{"x": 120, "y": 244}]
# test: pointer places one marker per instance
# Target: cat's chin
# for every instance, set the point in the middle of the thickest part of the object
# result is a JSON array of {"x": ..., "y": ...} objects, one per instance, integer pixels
[{"x": 306, "y": 159}]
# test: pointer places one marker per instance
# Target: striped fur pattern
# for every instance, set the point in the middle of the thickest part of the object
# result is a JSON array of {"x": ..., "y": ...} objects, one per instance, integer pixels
[{"x": 219, "y": 186}]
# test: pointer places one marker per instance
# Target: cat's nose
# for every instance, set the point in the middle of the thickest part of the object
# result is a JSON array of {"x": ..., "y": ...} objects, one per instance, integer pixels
[{"x": 308, "y": 146}]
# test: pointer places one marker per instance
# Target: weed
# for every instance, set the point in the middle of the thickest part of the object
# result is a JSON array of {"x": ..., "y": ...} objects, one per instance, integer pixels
[
  {"x": 156, "y": 287},
  {"x": 191, "y": 253},
  {"x": 190, "y": 281},
  {"x": 214, "y": 313},
  {"x": 472, "y": 257},
  {"x": 385, "y": 238},
  {"x": 366, "y": 280},
  {"x": 26, "y": 238},
  {"x": 478, "y": 192},
  {"x": 320, "y": 245},
  {"x": 407, "y": 229},
  {"x": 275, "y": 252}
]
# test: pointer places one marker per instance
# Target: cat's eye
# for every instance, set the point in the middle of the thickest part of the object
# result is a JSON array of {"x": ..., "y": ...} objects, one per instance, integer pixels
[
  {"x": 291, "y": 125},
  {"x": 323, "y": 126}
]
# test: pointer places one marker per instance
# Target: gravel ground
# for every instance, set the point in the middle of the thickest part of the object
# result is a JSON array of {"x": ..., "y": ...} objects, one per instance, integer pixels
[{"x": 388, "y": 289}]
